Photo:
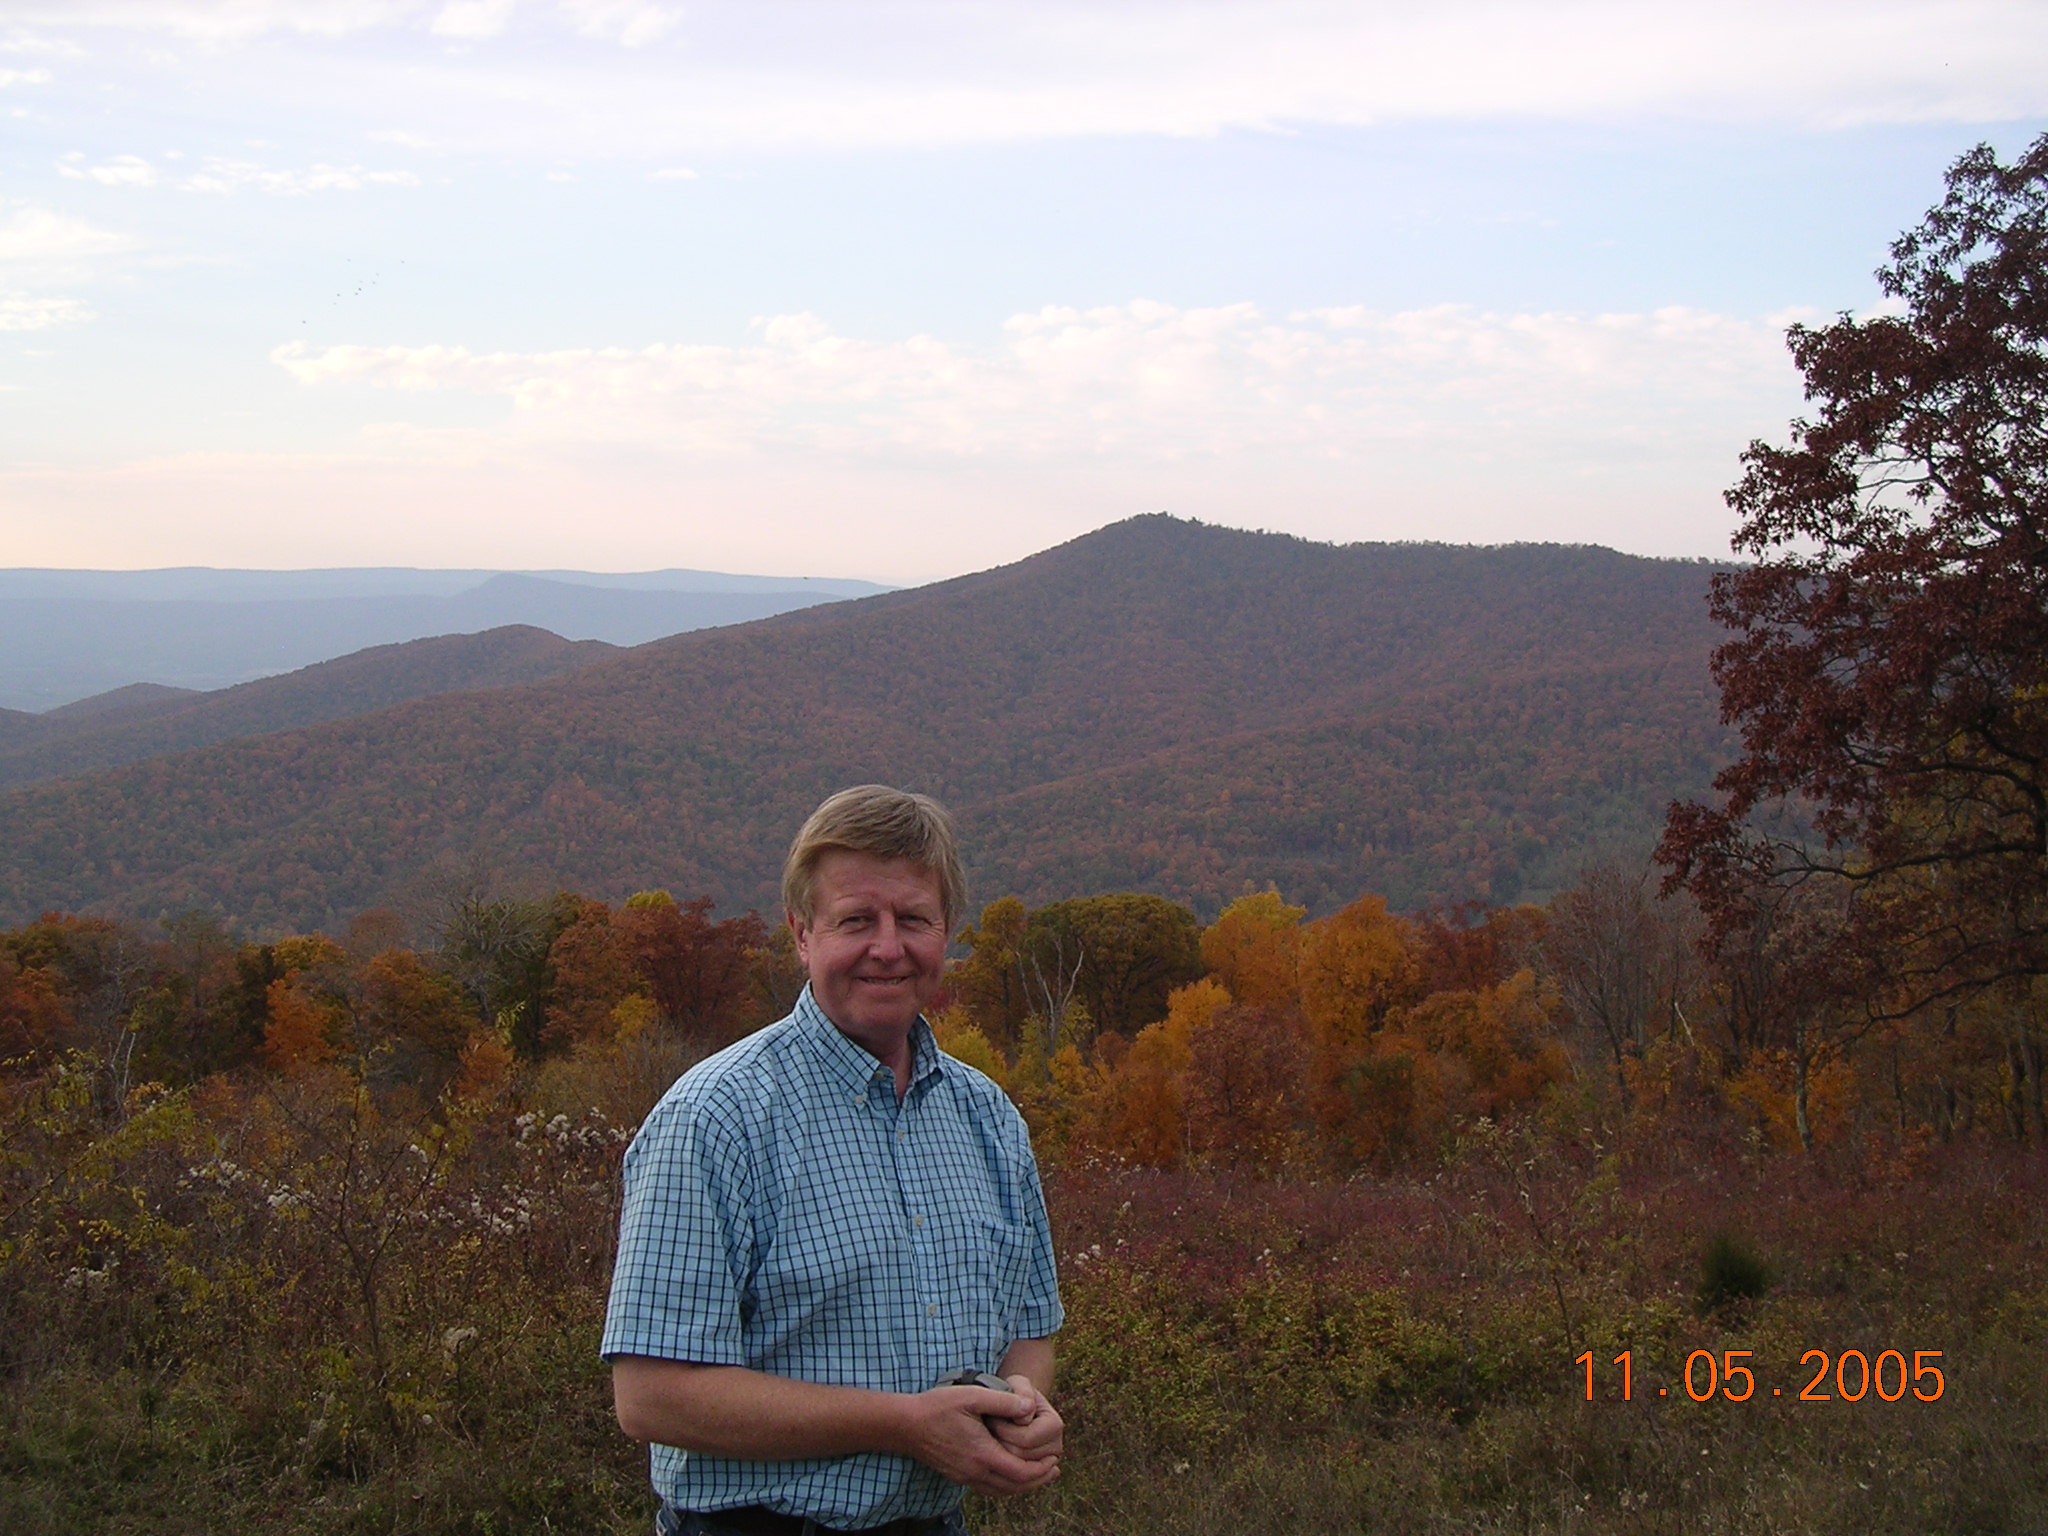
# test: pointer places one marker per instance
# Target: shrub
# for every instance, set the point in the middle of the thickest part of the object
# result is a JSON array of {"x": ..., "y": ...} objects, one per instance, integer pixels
[{"x": 1730, "y": 1271}]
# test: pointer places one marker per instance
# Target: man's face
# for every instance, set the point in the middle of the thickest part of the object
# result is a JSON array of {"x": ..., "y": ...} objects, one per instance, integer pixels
[{"x": 875, "y": 945}]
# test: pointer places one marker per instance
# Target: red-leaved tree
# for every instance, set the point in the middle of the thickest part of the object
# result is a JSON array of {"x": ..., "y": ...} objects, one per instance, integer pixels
[{"x": 1889, "y": 666}]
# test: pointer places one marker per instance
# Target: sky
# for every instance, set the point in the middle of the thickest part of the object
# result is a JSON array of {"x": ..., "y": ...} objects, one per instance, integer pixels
[{"x": 897, "y": 290}]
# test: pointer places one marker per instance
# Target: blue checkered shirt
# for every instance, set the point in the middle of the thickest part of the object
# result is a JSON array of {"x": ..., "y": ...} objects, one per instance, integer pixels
[{"x": 786, "y": 1213}]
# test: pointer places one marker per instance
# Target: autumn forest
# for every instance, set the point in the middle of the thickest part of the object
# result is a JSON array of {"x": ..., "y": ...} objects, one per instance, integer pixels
[{"x": 1475, "y": 1009}]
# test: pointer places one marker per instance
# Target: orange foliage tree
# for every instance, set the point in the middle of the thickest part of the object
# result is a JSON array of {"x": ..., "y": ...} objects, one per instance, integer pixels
[
  {"x": 303, "y": 1031},
  {"x": 1246, "y": 1098},
  {"x": 1254, "y": 949},
  {"x": 590, "y": 974},
  {"x": 1493, "y": 1048},
  {"x": 1358, "y": 966},
  {"x": 305, "y": 1025},
  {"x": 1466, "y": 948},
  {"x": 398, "y": 1000},
  {"x": 32, "y": 1015},
  {"x": 700, "y": 973},
  {"x": 1141, "y": 1108},
  {"x": 393, "y": 1015}
]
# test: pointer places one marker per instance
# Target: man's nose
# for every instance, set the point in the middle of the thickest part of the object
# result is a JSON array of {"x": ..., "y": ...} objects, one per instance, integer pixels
[{"x": 888, "y": 940}]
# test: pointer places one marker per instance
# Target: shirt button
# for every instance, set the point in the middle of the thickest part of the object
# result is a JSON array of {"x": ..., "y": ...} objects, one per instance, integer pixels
[
  {"x": 932, "y": 1310},
  {"x": 899, "y": 1135},
  {"x": 917, "y": 1221}
]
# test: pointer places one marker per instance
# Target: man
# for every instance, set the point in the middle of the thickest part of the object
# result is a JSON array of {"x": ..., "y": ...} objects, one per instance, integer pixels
[{"x": 828, "y": 1219}]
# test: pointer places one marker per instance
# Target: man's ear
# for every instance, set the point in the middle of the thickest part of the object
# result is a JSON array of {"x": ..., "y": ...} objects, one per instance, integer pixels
[{"x": 800, "y": 931}]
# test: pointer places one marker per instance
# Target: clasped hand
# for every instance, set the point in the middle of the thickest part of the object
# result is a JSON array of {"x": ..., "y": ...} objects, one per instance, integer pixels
[{"x": 999, "y": 1443}]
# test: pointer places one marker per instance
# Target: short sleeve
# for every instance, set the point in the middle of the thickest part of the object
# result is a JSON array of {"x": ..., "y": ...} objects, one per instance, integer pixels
[
  {"x": 685, "y": 1238},
  {"x": 1042, "y": 1314}
]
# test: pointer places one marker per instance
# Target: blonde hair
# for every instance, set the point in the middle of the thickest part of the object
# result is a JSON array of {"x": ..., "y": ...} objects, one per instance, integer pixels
[{"x": 884, "y": 823}]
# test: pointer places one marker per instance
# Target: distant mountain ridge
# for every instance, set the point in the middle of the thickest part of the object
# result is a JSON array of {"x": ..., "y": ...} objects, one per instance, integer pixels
[
  {"x": 129, "y": 703},
  {"x": 65, "y": 635},
  {"x": 1159, "y": 705},
  {"x": 205, "y": 583},
  {"x": 144, "y": 720}
]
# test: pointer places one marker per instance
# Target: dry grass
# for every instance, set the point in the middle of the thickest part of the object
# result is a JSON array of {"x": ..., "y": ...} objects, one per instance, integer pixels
[{"x": 287, "y": 1308}]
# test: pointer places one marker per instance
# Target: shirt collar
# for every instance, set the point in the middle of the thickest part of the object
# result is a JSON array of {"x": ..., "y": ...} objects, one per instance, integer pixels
[{"x": 854, "y": 1062}]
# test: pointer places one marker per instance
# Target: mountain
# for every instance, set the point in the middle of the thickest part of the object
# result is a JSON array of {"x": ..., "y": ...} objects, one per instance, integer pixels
[
  {"x": 144, "y": 720},
  {"x": 133, "y": 702},
  {"x": 1159, "y": 705},
  {"x": 205, "y": 583},
  {"x": 18, "y": 725},
  {"x": 68, "y": 634}
]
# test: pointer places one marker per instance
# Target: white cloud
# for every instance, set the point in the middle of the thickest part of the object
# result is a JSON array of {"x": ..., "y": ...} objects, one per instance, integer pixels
[
  {"x": 672, "y": 173},
  {"x": 121, "y": 171},
  {"x": 213, "y": 20},
  {"x": 34, "y": 236},
  {"x": 851, "y": 73},
  {"x": 223, "y": 176},
  {"x": 473, "y": 18},
  {"x": 905, "y": 458},
  {"x": 629, "y": 23},
  {"x": 26, "y": 312},
  {"x": 39, "y": 249},
  {"x": 219, "y": 174},
  {"x": 1141, "y": 382},
  {"x": 41, "y": 44},
  {"x": 10, "y": 77}
]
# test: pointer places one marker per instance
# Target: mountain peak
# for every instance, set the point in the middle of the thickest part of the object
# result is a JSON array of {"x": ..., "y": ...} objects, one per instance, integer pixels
[{"x": 1160, "y": 705}]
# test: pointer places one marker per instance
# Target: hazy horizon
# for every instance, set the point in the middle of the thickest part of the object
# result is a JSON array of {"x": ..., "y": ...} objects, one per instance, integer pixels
[{"x": 908, "y": 290}]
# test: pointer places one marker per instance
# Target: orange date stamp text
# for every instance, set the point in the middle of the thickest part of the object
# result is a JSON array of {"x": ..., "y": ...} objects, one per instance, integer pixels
[{"x": 1848, "y": 1377}]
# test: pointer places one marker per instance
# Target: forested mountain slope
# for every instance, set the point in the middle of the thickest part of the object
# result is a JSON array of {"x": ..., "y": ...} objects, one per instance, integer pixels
[
  {"x": 17, "y": 725},
  {"x": 145, "y": 720},
  {"x": 1157, "y": 705},
  {"x": 131, "y": 702},
  {"x": 65, "y": 635}
]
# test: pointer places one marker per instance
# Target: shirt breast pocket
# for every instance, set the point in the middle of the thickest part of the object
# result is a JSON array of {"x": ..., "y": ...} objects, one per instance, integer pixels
[{"x": 1001, "y": 1278}]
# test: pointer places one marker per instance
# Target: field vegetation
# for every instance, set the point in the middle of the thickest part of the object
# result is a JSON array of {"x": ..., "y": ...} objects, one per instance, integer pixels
[{"x": 315, "y": 1235}]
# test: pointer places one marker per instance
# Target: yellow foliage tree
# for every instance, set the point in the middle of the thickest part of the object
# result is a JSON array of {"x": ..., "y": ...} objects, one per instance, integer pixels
[
  {"x": 1357, "y": 966},
  {"x": 1194, "y": 1008},
  {"x": 307, "y": 952},
  {"x": 1254, "y": 949},
  {"x": 960, "y": 1037},
  {"x": 988, "y": 982},
  {"x": 631, "y": 1017},
  {"x": 1055, "y": 1095}
]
